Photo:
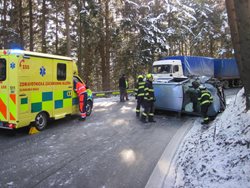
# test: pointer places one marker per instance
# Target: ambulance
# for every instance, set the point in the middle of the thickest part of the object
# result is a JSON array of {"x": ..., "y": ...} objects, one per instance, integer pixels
[{"x": 36, "y": 87}]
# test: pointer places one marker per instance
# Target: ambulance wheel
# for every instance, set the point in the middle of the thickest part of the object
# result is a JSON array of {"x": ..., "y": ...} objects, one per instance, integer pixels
[
  {"x": 89, "y": 107},
  {"x": 41, "y": 121}
]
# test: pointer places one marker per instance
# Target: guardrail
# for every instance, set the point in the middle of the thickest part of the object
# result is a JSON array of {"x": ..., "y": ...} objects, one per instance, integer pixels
[{"x": 110, "y": 93}]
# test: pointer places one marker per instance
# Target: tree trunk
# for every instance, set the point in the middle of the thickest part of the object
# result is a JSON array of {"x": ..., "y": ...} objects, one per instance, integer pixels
[
  {"x": 170, "y": 50},
  {"x": 57, "y": 28},
  {"x": 44, "y": 27},
  {"x": 13, "y": 36},
  {"x": 103, "y": 64},
  {"x": 211, "y": 47},
  {"x": 4, "y": 23},
  {"x": 239, "y": 21},
  {"x": 108, "y": 45},
  {"x": 31, "y": 25},
  {"x": 68, "y": 40},
  {"x": 79, "y": 62},
  {"x": 21, "y": 23},
  {"x": 104, "y": 46},
  {"x": 242, "y": 8}
]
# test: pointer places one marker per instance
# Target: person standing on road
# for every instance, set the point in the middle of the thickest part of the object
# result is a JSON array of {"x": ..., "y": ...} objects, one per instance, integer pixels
[
  {"x": 139, "y": 93},
  {"x": 81, "y": 91},
  {"x": 122, "y": 87},
  {"x": 149, "y": 99},
  {"x": 126, "y": 91},
  {"x": 205, "y": 100}
]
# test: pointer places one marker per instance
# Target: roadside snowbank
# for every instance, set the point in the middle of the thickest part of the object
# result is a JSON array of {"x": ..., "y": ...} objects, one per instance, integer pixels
[{"x": 218, "y": 156}]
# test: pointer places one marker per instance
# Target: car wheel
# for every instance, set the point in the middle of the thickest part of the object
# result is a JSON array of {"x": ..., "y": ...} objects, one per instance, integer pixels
[
  {"x": 41, "y": 121},
  {"x": 89, "y": 106}
]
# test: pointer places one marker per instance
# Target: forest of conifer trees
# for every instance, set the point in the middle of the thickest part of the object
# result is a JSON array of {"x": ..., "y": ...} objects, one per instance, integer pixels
[{"x": 111, "y": 37}]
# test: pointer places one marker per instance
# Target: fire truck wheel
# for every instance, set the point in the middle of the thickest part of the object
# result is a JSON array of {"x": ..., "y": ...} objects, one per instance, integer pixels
[{"x": 41, "y": 121}]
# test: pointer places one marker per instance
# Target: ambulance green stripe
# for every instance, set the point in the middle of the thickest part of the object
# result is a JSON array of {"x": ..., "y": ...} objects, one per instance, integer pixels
[
  {"x": 47, "y": 96},
  {"x": 24, "y": 101},
  {"x": 75, "y": 101},
  {"x": 67, "y": 94},
  {"x": 58, "y": 104},
  {"x": 36, "y": 107}
]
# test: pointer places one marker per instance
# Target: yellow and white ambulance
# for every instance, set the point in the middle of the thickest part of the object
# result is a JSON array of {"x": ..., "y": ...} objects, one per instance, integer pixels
[{"x": 36, "y": 87}]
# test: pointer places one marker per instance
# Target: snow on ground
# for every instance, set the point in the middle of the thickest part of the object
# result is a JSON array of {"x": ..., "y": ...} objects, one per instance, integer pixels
[{"x": 216, "y": 157}]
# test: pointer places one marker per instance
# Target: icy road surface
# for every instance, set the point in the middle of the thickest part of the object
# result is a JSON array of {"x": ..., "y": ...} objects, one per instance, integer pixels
[{"x": 110, "y": 149}]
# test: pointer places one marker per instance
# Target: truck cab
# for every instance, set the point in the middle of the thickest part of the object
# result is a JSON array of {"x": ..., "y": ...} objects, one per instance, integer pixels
[{"x": 167, "y": 69}]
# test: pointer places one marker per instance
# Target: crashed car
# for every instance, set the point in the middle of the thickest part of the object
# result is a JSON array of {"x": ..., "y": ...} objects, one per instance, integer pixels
[{"x": 179, "y": 95}]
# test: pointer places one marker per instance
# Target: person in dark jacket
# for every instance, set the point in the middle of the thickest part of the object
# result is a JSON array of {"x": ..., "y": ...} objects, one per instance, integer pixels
[
  {"x": 205, "y": 99},
  {"x": 149, "y": 99},
  {"x": 139, "y": 93},
  {"x": 126, "y": 91},
  {"x": 122, "y": 87}
]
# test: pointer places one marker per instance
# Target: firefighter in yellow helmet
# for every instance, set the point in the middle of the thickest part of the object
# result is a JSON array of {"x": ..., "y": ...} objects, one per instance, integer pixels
[
  {"x": 205, "y": 99},
  {"x": 149, "y": 99},
  {"x": 139, "y": 93}
]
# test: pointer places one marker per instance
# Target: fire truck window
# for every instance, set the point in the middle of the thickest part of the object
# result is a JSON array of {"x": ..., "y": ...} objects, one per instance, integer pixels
[
  {"x": 2, "y": 69},
  {"x": 61, "y": 71}
]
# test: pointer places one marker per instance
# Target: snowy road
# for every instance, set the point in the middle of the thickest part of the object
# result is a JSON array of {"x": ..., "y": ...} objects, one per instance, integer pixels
[{"x": 111, "y": 149}]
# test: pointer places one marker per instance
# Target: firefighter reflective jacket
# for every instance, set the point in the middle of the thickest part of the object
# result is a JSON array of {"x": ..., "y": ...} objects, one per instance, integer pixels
[
  {"x": 149, "y": 91},
  {"x": 205, "y": 97},
  {"x": 139, "y": 88}
]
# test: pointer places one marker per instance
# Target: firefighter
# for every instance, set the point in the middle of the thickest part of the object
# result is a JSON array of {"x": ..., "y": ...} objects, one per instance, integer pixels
[
  {"x": 194, "y": 95},
  {"x": 205, "y": 99},
  {"x": 139, "y": 93},
  {"x": 149, "y": 99},
  {"x": 80, "y": 88}
]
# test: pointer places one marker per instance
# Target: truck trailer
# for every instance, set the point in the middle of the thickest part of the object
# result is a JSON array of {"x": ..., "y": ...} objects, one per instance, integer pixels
[
  {"x": 225, "y": 70},
  {"x": 36, "y": 87}
]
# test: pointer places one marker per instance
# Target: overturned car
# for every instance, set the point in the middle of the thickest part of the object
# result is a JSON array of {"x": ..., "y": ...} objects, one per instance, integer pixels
[{"x": 180, "y": 95}]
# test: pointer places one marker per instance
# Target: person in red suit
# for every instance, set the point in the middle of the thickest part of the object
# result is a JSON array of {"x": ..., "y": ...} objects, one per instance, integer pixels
[{"x": 80, "y": 88}]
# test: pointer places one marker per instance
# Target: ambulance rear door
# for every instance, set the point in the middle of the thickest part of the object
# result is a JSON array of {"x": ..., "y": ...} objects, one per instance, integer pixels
[
  {"x": 8, "y": 89},
  {"x": 3, "y": 91}
]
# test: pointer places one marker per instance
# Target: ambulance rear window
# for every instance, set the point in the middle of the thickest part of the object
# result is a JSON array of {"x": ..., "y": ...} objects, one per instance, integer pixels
[
  {"x": 61, "y": 71},
  {"x": 2, "y": 69}
]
